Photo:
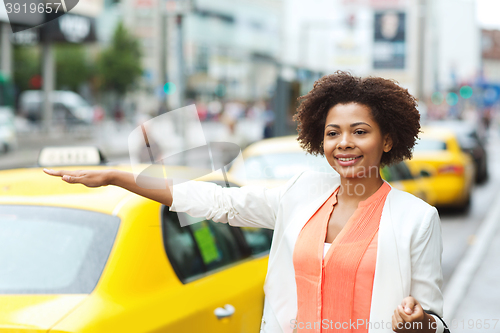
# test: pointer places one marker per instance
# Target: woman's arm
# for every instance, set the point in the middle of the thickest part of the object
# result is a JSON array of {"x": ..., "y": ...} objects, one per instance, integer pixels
[
  {"x": 252, "y": 206},
  {"x": 426, "y": 281},
  {"x": 427, "y": 274},
  {"x": 126, "y": 180}
]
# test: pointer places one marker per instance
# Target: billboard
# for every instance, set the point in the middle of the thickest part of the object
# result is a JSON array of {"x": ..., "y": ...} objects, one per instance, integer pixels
[
  {"x": 389, "y": 47},
  {"x": 69, "y": 28}
]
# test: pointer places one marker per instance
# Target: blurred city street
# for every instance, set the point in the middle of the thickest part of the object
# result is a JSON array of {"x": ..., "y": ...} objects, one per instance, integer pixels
[
  {"x": 460, "y": 233},
  {"x": 480, "y": 301},
  {"x": 145, "y": 81},
  {"x": 112, "y": 139},
  {"x": 459, "y": 230}
]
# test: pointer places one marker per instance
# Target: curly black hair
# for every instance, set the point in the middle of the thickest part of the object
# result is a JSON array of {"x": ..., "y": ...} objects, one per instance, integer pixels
[{"x": 392, "y": 107}]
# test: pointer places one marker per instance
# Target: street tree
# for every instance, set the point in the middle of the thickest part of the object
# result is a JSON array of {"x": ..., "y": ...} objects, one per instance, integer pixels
[
  {"x": 119, "y": 65},
  {"x": 26, "y": 68},
  {"x": 72, "y": 67}
]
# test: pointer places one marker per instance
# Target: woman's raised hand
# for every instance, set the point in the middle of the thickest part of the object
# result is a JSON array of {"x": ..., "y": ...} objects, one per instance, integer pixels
[
  {"x": 126, "y": 180},
  {"x": 89, "y": 178}
]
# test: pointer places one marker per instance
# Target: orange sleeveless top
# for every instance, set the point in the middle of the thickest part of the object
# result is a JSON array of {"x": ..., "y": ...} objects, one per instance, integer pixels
[{"x": 334, "y": 293}]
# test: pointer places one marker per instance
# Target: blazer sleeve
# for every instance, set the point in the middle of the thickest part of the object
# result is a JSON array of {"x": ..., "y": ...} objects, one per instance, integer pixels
[
  {"x": 427, "y": 275},
  {"x": 246, "y": 206}
]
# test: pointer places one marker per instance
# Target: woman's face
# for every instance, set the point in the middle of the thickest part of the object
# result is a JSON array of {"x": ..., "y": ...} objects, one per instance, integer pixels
[{"x": 353, "y": 142}]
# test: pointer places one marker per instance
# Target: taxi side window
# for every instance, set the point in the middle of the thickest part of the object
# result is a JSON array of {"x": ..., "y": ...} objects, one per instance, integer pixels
[
  {"x": 199, "y": 247},
  {"x": 386, "y": 173},
  {"x": 258, "y": 239},
  {"x": 396, "y": 172},
  {"x": 181, "y": 249},
  {"x": 404, "y": 171}
]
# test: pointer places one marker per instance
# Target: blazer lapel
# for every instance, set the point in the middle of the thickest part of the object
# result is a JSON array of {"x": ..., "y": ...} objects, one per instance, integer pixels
[
  {"x": 387, "y": 284},
  {"x": 293, "y": 229},
  {"x": 281, "y": 275}
]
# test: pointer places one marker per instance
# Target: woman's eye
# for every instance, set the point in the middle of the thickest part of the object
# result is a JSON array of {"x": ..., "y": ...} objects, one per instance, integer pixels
[
  {"x": 360, "y": 132},
  {"x": 331, "y": 134}
]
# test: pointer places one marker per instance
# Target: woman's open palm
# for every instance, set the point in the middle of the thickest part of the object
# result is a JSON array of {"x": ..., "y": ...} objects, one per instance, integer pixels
[{"x": 89, "y": 178}]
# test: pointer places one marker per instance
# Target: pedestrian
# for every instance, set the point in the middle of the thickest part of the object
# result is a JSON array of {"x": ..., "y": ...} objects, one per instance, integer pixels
[
  {"x": 269, "y": 118},
  {"x": 349, "y": 253}
]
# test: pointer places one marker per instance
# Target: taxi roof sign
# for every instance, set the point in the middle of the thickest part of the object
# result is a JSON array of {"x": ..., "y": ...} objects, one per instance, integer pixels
[{"x": 70, "y": 155}]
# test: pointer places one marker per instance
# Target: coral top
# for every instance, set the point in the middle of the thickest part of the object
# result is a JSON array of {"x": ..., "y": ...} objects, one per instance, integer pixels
[{"x": 334, "y": 292}]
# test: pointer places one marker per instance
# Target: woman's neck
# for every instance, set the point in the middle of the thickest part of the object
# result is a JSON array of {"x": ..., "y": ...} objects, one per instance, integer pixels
[{"x": 354, "y": 190}]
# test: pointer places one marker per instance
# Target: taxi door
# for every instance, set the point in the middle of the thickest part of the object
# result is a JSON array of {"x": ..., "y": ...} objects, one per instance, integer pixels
[{"x": 222, "y": 270}]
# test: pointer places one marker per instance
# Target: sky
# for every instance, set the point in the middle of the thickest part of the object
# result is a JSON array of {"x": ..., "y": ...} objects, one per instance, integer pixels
[{"x": 488, "y": 13}]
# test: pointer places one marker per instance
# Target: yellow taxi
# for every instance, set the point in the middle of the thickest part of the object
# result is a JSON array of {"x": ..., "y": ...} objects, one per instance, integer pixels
[
  {"x": 449, "y": 171},
  {"x": 78, "y": 259},
  {"x": 271, "y": 162}
]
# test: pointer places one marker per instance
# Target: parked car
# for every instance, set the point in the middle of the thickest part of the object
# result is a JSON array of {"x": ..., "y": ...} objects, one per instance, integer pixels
[
  {"x": 68, "y": 107},
  {"x": 78, "y": 259},
  {"x": 8, "y": 137},
  {"x": 471, "y": 142},
  {"x": 271, "y": 162},
  {"x": 449, "y": 171},
  {"x": 400, "y": 177}
]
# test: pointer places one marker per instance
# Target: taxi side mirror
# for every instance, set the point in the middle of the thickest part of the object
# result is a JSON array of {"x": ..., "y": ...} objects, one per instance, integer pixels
[{"x": 424, "y": 173}]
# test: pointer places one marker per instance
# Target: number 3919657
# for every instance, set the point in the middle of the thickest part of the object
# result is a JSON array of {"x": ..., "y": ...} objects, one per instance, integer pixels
[{"x": 32, "y": 8}]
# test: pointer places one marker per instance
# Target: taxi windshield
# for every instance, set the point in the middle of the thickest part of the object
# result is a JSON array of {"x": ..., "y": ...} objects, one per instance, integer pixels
[
  {"x": 429, "y": 145},
  {"x": 53, "y": 250}
]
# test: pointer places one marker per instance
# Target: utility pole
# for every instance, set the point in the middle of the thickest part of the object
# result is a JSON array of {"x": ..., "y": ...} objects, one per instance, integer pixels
[
  {"x": 163, "y": 52},
  {"x": 173, "y": 15},
  {"x": 422, "y": 14},
  {"x": 48, "y": 74},
  {"x": 5, "y": 49},
  {"x": 181, "y": 87},
  {"x": 281, "y": 103}
]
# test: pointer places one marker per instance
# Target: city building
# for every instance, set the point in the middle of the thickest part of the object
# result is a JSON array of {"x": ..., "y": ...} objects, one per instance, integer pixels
[
  {"x": 230, "y": 49},
  {"x": 491, "y": 55},
  {"x": 425, "y": 45}
]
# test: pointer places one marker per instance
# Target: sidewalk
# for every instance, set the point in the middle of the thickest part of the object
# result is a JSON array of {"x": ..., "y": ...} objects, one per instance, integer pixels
[
  {"x": 472, "y": 296},
  {"x": 481, "y": 304}
]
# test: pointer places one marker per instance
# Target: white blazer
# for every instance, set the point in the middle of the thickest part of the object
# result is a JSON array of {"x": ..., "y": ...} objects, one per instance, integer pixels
[{"x": 408, "y": 253}]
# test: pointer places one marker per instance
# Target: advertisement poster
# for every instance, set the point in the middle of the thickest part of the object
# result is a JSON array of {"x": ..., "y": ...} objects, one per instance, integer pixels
[{"x": 389, "y": 47}]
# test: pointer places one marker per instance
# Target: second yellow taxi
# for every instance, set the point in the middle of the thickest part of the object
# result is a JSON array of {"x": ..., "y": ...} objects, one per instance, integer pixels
[{"x": 271, "y": 162}]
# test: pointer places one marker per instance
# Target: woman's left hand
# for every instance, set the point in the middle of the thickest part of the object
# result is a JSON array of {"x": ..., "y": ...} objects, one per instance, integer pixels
[{"x": 409, "y": 317}]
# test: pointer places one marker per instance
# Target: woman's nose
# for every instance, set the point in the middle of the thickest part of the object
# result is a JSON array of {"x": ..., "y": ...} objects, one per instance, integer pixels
[{"x": 345, "y": 142}]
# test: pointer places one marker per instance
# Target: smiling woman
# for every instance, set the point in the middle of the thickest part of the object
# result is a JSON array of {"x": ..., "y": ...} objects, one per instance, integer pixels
[
  {"x": 359, "y": 125},
  {"x": 353, "y": 141},
  {"x": 388, "y": 106},
  {"x": 383, "y": 246}
]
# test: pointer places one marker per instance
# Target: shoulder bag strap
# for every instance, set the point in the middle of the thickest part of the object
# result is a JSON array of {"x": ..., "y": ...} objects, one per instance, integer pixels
[{"x": 446, "y": 329}]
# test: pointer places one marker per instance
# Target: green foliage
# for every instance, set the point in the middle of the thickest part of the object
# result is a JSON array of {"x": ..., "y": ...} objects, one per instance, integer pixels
[
  {"x": 72, "y": 68},
  {"x": 26, "y": 65},
  {"x": 119, "y": 66}
]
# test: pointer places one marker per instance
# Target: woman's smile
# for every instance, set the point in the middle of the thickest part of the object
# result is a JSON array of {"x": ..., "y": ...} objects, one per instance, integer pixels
[
  {"x": 353, "y": 141},
  {"x": 346, "y": 161}
]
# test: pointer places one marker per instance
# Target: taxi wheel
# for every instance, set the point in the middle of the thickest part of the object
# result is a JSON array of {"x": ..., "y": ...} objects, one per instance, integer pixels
[
  {"x": 482, "y": 176},
  {"x": 465, "y": 206}
]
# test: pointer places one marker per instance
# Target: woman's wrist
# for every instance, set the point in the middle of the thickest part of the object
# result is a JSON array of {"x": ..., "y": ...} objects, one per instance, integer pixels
[
  {"x": 430, "y": 322},
  {"x": 111, "y": 177}
]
